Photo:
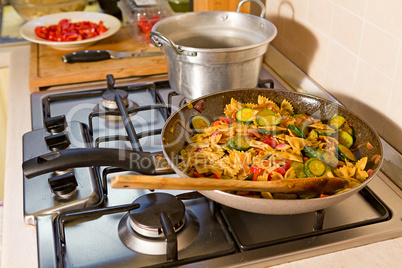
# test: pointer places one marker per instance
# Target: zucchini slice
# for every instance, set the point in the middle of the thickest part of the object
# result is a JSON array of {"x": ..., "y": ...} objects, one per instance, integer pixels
[
  {"x": 314, "y": 167},
  {"x": 270, "y": 132},
  {"x": 346, "y": 153},
  {"x": 245, "y": 116},
  {"x": 310, "y": 152},
  {"x": 269, "y": 120},
  {"x": 328, "y": 158},
  {"x": 198, "y": 123},
  {"x": 337, "y": 121},
  {"x": 298, "y": 167},
  {"x": 238, "y": 143},
  {"x": 348, "y": 128},
  {"x": 345, "y": 139},
  {"x": 264, "y": 112}
]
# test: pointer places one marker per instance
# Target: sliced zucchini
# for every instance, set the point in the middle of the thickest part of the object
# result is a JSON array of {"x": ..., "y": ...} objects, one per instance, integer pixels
[
  {"x": 198, "y": 123},
  {"x": 345, "y": 139},
  {"x": 337, "y": 121},
  {"x": 245, "y": 116},
  {"x": 269, "y": 120},
  {"x": 310, "y": 152},
  {"x": 328, "y": 158},
  {"x": 348, "y": 128},
  {"x": 304, "y": 128},
  {"x": 345, "y": 153},
  {"x": 297, "y": 130},
  {"x": 249, "y": 177},
  {"x": 299, "y": 115},
  {"x": 238, "y": 143},
  {"x": 270, "y": 132},
  {"x": 314, "y": 167},
  {"x": 298, "y": 167},
  {"x": 264, "y": 112},
  {"x": 325, "y": 132}
]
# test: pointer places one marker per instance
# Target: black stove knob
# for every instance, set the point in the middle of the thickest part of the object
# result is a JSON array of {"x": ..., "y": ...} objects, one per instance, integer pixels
[
  {"x": 64, "y": 185},
  {"x": 57, "y": 142},
  {"x": 56, "y": 124}
]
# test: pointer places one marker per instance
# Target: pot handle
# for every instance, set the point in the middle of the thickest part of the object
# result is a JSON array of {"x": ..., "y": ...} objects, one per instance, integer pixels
[
  {"x": 153, "y": 36},
  {"x": 255, "y": 1},
  {"x": 141, "y": 162}
]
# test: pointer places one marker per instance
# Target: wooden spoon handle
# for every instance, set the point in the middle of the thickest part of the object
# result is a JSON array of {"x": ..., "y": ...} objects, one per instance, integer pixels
[{"x": 303, "y": 185}]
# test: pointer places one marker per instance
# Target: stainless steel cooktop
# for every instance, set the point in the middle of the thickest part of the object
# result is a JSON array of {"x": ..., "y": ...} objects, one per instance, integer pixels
[{"x": 87, "y": 223}]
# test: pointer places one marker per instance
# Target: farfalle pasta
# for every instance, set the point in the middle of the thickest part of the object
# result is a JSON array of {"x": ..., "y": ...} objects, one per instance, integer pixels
[{"x": 269, "y": 141}]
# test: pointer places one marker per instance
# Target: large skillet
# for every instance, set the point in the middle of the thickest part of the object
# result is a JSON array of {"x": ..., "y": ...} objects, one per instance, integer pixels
[{"x": 174, "y": 139}]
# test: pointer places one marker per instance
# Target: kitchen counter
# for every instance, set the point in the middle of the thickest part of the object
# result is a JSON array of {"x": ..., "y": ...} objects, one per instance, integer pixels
[{"x": 19, "y": 240}]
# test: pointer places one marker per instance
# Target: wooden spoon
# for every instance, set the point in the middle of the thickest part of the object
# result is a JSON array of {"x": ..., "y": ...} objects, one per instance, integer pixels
[{"x": 324, "y": 185}]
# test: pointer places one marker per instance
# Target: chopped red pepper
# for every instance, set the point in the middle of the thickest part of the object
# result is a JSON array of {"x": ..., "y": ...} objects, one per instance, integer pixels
[
  {"x": 323, "y": 195},
  {"x": 256, "y": 172},
  {"x": 218, "y": 176},
  {"x": 279, "y": 170},
  {"x": 200, "y": 106},
  {"x": 196, "y": 174}
]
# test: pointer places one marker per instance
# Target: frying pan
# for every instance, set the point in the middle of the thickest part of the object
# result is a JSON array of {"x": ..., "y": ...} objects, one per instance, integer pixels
[{"x": 174, "y": 139}]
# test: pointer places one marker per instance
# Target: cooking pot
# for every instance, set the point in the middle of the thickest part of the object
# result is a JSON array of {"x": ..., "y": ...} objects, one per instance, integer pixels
[
  {"x": 174, "y": 137},
  {"x": 211, "y": 51}
]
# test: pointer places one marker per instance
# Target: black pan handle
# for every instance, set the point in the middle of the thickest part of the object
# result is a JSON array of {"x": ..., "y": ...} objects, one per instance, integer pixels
[{"x": 141, "y": 162}]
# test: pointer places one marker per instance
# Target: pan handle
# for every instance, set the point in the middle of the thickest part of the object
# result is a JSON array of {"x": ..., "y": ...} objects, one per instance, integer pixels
[
  {"x": 154, "y": 35},
  {"x": 255, "y": 1},
  {"x": 141, "y": 162}
]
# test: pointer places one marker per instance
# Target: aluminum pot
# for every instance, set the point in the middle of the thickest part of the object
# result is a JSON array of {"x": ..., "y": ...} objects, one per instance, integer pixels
[{"x": 212, "y": 51}]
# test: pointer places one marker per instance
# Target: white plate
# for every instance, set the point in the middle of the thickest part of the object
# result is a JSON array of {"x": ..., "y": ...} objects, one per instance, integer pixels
[{"x": 28, "y": 29}]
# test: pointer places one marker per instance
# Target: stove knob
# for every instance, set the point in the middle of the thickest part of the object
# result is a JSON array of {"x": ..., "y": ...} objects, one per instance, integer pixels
[
  {"x": 64, "y": 185},
  {"x": 56, "y": 124},
  {"x": 57, "y": 142}
]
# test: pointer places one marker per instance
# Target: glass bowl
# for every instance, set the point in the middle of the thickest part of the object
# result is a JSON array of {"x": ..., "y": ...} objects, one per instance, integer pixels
[{"x": 32, "y": 9}]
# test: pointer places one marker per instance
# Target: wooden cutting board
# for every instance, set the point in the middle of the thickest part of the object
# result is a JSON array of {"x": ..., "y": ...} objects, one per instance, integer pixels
[{"x": 47, "y": 68}]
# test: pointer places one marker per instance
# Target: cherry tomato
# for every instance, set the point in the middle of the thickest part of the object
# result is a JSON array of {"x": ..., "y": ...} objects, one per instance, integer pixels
[{"x": 279, "y": 170}]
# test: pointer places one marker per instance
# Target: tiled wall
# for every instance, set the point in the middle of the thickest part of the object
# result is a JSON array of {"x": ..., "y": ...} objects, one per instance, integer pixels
[{"x": 352, "y": 48}]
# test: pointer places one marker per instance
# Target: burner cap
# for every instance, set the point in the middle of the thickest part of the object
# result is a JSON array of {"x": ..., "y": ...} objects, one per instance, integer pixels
[
  {"x": 146, "y": 219},
  {"x": 108, "y": 98}
]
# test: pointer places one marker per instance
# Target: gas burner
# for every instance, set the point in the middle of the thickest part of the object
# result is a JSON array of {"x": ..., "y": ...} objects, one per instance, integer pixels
[
  {"x": 109, "y": 99},
  {"x": 141, "y": 229},
  {"x": 109, "y": 103}
]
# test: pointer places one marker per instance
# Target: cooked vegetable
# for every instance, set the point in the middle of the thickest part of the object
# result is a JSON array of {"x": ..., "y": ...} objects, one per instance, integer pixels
[
  {"x": 345, "y": 139},
  {"x": 270, "y": 132},
  {"x": 238, "y": 143},
  {"x": 66, "y": 31},
  {"x": 297, "y": 130},
  {"x": 314, "y": 167},
  {"x": 245, "y": 116},
  {"x": 345, "y": 153},
  {"x": 299, "y": 146},
  {"x": 198, "y": 123},
  {"x": 269, "y": 120},
  {"x": 298, "y": 168},
  {"x": 337, "y": 121},
  {"x": 200, "y": 106},
  {"x": 264, "y": 112},
  {"x": 348, "y": 128}
]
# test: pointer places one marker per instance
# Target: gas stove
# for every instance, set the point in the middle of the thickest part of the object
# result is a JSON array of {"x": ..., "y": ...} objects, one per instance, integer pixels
[{"x": 81, "y": 221}]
